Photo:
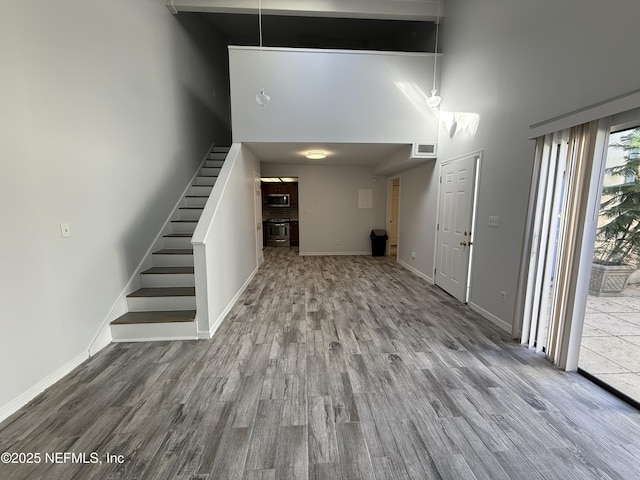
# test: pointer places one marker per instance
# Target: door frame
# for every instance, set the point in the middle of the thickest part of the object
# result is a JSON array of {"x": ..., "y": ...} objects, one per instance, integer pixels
[
  {"x": 474, "y": 217},
  {"x": 389, "y": 214},
  {"x": 257, "y": 199}
]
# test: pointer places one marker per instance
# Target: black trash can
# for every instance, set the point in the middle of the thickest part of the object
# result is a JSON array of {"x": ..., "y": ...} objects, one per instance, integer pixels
[{"x": 378, "y": 242}]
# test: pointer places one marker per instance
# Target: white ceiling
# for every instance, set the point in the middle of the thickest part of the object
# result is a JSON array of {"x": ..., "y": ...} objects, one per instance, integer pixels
[{"x": 354, "y": 154}]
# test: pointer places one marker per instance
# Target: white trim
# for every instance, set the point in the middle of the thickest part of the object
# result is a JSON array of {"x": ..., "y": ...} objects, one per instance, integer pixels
[
  {"x": 335, "y": 51},
  {"x": 17, "y": 403},
  {"x": 218, "y": 321},
  {"x": 417, "y": 272},
  {"x": 498, "y": 322},
  {"x": 322, "y": 254},
  {"x": 605, "y": 108}
]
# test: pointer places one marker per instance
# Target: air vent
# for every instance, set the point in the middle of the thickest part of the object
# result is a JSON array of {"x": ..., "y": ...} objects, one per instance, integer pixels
[{"x": 424, "y": 150}]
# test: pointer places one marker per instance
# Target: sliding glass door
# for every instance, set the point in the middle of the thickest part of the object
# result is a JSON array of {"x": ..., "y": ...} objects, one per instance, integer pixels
[{"x": 610, "y": 346}]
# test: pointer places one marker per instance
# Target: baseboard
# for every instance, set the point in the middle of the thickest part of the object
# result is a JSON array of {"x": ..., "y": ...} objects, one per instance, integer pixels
[
  {"x": 205, "y": 335},
  {"x": 324, "y": 254},
  {"x": 498, "y": 322},
  {"x": 416, "y": 271},
  {"x": 17, "y": 403}
]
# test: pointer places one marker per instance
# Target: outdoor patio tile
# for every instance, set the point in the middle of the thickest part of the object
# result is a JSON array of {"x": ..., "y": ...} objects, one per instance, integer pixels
[
  {"x": 631, "y": 317},
  {"x": 624, "y": 353},
  {"x": 627, "y": 383},
  {"x": 613, "y": 304},
  {"x": 596, "y": 364},
  {"x": 611, "y": 324},
  {"x": 591, "y": 331},
  {"x": 635, "y": 339}
]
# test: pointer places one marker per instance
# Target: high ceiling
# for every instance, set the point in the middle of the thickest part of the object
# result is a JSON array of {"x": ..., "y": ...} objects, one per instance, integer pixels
[{"x": 384, "y": 25}]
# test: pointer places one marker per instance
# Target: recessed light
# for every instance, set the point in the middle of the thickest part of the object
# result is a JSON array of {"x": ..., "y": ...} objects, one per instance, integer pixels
[{"x": 316, "y": 155}]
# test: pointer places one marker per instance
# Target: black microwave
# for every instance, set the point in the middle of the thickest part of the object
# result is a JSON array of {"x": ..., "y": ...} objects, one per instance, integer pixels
[{"x": 278, "y": 200}]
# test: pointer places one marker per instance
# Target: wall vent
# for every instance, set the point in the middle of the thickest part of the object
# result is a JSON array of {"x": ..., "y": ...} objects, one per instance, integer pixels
[{"x": 424, "y": 150}]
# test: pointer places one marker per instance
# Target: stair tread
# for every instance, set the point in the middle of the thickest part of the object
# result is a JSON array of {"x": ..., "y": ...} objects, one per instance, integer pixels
[
  {"x": 187, "y": 207},
  {"x": 179, "y": 235},
  {"x": 164, "y": 292},
  {"x": 196, "y": 196},
  {"x": 168, "y": 270},
  {"x": 174, "y": 251},
  {"x": 156, "y": 317},
  {"x": 185, "y": 221}
]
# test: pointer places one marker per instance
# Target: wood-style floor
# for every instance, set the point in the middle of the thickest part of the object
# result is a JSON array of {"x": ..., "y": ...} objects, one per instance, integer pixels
[{"x": 329, "y": 368}]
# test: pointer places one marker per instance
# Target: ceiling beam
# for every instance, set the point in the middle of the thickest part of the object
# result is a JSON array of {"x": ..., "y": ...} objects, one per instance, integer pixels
[{"x": 416, "y": 10}]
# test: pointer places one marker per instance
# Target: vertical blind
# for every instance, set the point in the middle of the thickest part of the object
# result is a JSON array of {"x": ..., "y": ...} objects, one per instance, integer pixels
[{"x": 561, "y": 193}]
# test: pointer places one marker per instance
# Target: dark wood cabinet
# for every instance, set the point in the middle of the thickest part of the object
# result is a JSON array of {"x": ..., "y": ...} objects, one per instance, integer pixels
[{"x": 290, "y": 188}]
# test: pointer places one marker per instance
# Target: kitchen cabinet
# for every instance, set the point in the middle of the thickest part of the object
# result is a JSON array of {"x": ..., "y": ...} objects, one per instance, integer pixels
[
  {"x": 271, "y": 188},
  {"x": 294, "y": 233}
]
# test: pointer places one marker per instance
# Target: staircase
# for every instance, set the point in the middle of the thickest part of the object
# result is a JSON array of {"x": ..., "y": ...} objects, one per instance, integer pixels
[{"x": 164, "y": 308}]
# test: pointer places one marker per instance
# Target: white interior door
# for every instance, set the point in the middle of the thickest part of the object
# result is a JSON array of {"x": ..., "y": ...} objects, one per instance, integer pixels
[{"x": 455, "y": 223}]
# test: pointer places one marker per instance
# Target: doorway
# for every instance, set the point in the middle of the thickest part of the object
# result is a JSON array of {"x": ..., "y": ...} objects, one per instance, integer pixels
[
  {"x": 610, "y": 346},
  {"x": 393, "y": 221},
  {"x": 456, "y": 224}
]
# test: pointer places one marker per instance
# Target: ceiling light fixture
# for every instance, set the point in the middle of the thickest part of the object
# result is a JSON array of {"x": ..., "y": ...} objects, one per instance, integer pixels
[
  {"x": 316, "y": 155},
  {"x": 261, "y": 97},
  {"x": 434, "y": 100}
]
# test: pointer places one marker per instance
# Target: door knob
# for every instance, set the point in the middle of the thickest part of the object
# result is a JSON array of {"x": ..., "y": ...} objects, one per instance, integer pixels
[{"x": 464, "y": 244}]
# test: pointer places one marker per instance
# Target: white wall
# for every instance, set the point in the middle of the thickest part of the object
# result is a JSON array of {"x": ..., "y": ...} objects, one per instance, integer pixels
[
  {"x": 330, "y": 220},
  {"x": 225, "y": 253},
  {"x": 417, "y": 216},
  {"x": 332, "y": 96},
  {"x": 516, "y": 63},
  {"x": 107, "y": 109}
]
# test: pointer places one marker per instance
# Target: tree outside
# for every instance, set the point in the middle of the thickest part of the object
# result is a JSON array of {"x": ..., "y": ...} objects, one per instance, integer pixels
[{"x": 618, "y": 234}]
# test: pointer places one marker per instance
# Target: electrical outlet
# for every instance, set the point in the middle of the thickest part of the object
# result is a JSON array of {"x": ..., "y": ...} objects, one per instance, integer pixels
[
  {"x": 65, "y": 230},
  {"x": 503, "y": 296},
  {"x": 494, "y": 221}
]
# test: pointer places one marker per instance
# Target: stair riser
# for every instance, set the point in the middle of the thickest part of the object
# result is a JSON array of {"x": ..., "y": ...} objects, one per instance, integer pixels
[
  {"x": 168, "y": 280},
  {"x": 172, "y": 260},
  {"x": 189, "y": 214},
  {"x": 176, "y": 242},
  {"x": 154, "y": 332},
  {"x": 156, "y": 304},
  {"x": 201, "y": 189},
  {"x": 183, "y": 227},
  {"x": 205, "y": 180},
  {"x": 215, "y": 171},
  {"x": 213, "y": 164},
  {"x": 195, "y": 201},
  {"x": 218, "y": 155}
]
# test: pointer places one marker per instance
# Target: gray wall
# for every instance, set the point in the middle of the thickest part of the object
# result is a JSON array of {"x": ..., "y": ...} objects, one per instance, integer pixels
[
  {"x": 515, "y": 63},
  {"x": 107, "y": 109}
]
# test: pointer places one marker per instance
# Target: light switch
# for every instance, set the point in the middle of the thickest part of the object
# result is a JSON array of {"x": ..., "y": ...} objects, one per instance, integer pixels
[
  {"x": 65, "y": 230},
  {"x": 494, "y": 221}
]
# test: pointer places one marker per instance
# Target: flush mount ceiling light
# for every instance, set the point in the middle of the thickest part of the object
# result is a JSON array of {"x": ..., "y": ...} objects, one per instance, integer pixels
[
  {"x": 434, "y": 100},
  {"x": 261, "y": 97},
  {"x": 316, "y": 155}
]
